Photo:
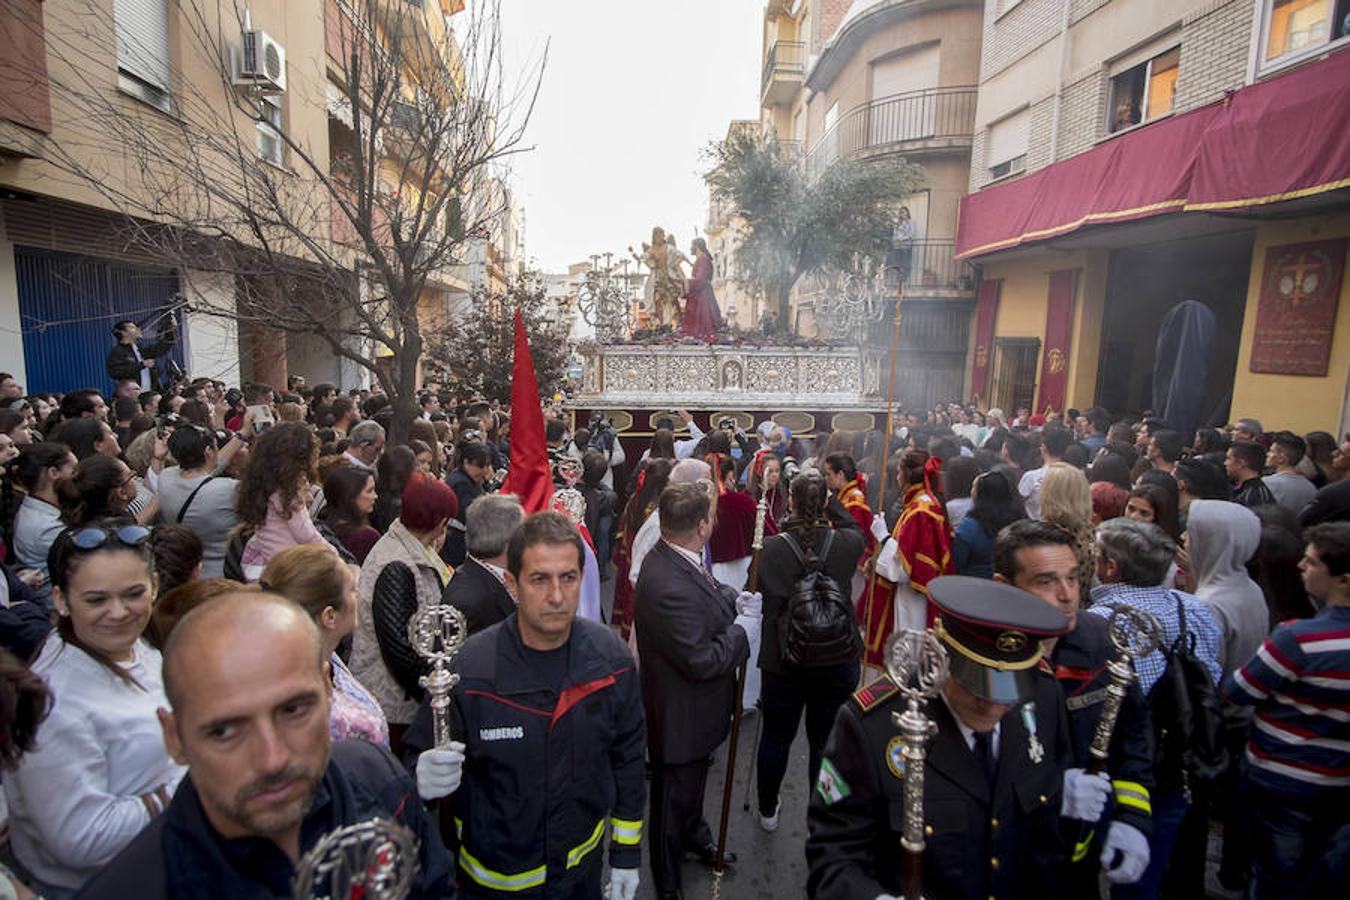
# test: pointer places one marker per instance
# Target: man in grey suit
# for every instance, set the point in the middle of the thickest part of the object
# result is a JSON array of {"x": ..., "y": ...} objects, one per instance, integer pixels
[{"x": 693, "y": 634}]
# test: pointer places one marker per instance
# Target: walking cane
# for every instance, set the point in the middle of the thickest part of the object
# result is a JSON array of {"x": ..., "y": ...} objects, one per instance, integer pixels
[
  {"x": 1134, "y": 634},
  {"x": 751, "y": 584}
]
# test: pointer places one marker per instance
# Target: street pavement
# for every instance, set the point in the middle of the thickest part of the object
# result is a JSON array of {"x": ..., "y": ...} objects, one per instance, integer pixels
[{"x": 770, "y": 866}]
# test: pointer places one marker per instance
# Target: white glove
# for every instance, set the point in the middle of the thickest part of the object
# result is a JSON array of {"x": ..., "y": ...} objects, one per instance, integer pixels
[
  {"x": 1133, "y": 847},
  {"x": 623, "y": 884},
  {"x": 1085, "y": 795},
  {"x": 879, "y": 529},
  {"x": 439, "y": 771},
  {"x": 887, "y": 897},
  {"x": 751, "y": 625},
  {"x": 748, "y": 604}
]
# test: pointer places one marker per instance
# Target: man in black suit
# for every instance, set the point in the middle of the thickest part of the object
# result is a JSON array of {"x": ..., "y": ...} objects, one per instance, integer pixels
[
  {"x": 693, "y": 634},
  {"x": 478, "y": 588}
]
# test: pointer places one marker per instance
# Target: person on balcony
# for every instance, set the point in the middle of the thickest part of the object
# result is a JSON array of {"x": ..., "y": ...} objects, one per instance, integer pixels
[
  {"x": 899, "y": 258},
  {"x": 702, "y": 318}
]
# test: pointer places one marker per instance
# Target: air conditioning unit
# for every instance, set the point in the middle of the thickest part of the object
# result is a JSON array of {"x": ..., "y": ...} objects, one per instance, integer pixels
[{"x": 262, "y": 62}]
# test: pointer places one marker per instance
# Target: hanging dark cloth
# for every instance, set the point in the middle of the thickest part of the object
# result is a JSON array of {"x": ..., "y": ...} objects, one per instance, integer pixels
[{"x": 1181, "y": 365}]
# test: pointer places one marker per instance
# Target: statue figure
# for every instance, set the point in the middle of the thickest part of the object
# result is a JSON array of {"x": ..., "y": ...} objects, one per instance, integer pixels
[{"x": 665, "y": 285}]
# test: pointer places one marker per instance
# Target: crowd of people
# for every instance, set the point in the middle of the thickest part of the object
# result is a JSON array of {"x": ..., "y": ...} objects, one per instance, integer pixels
[{"x": 207, "y": 665}]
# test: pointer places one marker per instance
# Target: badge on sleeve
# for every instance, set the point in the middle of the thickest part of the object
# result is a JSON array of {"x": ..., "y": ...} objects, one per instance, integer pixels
[
  {"x": 1035, "y": 750},
  {"x": 895, "y": 756},
  {"x": 831, "y": 786}
]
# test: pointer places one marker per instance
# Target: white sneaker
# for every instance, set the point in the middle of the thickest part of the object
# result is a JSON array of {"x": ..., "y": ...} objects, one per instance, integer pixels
[{"x": 770, "y": 823}]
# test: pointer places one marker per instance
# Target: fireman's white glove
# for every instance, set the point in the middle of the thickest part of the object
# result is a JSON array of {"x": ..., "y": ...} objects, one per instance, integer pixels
[
  {"x": 1134, "y": 855},
  {"x": 623, "y": 884},
  {"x": 439, "y": 771}
]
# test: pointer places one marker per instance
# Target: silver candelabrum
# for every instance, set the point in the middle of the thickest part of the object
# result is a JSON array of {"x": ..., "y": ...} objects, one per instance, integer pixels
[
  {"x": 604, "y": 299},
  {"x": 375, "y": 860},
  {"x": 437, "y": 632},
  {"x": 917, "y": 664},
  {"x": 1134, "y": 634}
]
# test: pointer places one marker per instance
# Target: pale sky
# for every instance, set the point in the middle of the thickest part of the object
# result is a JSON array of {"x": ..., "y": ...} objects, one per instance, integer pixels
[{"x": 633, "y": 92}]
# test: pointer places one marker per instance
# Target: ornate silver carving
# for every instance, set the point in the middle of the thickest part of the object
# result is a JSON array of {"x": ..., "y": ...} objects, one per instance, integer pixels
[
  {"x": 437, "y": 632},
  {"x": 916, "y": 662},
  {"x": 375, "y": 859},
  {"x": 1133, "y": 633}
]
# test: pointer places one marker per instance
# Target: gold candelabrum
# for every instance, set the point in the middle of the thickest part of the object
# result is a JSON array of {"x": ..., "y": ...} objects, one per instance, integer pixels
[
  {"x": 437, "y": 632},
  {"x": 917, "y": 664},
  {"x": 375, "y": 859}
]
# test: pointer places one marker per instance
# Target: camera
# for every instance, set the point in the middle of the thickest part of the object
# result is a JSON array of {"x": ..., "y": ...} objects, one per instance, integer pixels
[
  {"x": 727, "y": 423},
  {"x": 602, "y": 433}
]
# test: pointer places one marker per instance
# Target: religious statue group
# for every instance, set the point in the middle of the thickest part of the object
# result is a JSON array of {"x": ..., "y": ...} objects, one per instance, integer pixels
[{"x": 667, "y": 286}]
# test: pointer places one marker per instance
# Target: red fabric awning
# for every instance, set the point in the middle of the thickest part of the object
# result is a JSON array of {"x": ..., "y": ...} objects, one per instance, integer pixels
[{"x": 1277, "y": 140}]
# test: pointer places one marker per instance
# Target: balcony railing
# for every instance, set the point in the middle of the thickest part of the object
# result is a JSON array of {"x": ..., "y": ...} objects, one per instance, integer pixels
[
  {"x": 933, "y": 265},
  {"x": 944, "y": 115},
  {"x": 785, "y": 58}
]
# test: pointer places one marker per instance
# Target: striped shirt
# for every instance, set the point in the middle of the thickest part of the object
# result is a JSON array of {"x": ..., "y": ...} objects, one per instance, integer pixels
[
  {"x": 1299, "y": 682},
  {"x": 1162, "y": 605}
]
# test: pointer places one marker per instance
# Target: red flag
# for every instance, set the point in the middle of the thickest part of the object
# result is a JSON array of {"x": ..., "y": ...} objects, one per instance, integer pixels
[{"x": 529, "y": 477}]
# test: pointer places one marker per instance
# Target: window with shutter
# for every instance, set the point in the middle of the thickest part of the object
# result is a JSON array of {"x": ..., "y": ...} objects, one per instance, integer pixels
[
  {"x": 1006, "y": 148},
  {"x": 143, "y": 48}
]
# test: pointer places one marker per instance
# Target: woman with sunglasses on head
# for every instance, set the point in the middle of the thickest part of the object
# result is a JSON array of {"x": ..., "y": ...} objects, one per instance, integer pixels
[{"x": 100, "y": 772}]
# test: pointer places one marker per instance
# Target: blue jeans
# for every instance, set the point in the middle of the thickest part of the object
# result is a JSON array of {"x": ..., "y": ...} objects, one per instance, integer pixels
[
  {"x": 783, "y": 697},
  {"x": 1293, "y": 834},
  {"x": 1168, "y": 811}
]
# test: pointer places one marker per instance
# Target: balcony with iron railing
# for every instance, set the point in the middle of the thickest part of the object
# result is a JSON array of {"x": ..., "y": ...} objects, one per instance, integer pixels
[
  {"x": 784, "y": 69},
  {"x": 934, "y": 119}
]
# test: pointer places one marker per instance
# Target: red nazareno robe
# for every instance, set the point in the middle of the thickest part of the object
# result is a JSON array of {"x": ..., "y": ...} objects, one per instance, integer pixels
[
  {"x": 924, "y": 545},
  {"x": 855, "y": 501}
]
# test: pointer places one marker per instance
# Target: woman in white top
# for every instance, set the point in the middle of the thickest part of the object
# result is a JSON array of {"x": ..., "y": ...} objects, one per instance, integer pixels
[
  {"x": 38, "y": 521},
  {"x": 100, "y": 772}
]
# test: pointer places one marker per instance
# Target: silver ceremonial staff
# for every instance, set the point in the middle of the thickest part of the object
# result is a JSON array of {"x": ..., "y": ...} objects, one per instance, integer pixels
[
  {"x": 917, "y": 664},
  {"x": 371, "y": 860},
  {"x": 437, "y": 632},
  {"x": 1134, "y": 634}
]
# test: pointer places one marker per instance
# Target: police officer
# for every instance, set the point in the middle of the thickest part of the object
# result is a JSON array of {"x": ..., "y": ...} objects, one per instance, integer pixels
[
  {"x": 554, "y": 734},
  {"x": 995, "y": 789},
  {"x": 1040, "y": 559}
]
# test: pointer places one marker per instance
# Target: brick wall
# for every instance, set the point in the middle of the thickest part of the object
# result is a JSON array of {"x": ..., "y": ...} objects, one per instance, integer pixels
[
  {"x": 1215, "y": 43},
  {"x": 828, "y": 15},
  {"x": 1042, "y": 124},
  {"x": 1009, "y": 37},
  {"x": 1079, "y": 9},
  {"x": 1082, "y": 113}
]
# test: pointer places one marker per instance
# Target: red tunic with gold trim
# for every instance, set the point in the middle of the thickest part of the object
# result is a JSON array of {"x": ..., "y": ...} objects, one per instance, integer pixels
[
  {"x": 855, "y": 501},
  {"x": 924, "y": 546}
]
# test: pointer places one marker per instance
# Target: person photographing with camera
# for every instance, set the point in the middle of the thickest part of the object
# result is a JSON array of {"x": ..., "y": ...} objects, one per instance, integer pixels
[{"x": 133, "y": 359}]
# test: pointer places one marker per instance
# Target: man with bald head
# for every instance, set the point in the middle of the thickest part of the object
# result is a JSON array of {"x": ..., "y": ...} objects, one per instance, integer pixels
[{"x": 250, "y": 690}]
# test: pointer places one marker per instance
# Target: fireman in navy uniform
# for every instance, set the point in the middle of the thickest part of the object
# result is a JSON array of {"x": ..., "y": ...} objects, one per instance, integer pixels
[
  {"x": 1040, "y": 559},
  {"x": 551, "y": 764},
  {"x": 998, "y": 785}
]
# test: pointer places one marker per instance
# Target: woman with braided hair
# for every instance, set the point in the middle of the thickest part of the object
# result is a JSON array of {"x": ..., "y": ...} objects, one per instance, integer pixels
[{"x": 918, "y": 550}]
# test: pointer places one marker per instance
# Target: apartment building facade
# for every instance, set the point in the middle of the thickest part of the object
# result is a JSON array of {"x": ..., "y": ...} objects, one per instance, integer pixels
[
  {"x": 69, "y": 263},
  {"x": 1160, "y": 206},
  {"x": 872, "y": 79}
]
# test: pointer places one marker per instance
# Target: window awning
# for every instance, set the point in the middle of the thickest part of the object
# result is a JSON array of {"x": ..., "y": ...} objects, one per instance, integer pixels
[{"x": 1277, "y": 140}]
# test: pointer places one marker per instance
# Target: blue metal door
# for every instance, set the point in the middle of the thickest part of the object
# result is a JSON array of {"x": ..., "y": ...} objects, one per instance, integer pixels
[{"x": 68, "y": 305}]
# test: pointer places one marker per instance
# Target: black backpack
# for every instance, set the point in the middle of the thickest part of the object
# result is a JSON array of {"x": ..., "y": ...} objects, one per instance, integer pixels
[
  {"x": 1189, "y": 748},
  {"x": 817, "y": 627}
]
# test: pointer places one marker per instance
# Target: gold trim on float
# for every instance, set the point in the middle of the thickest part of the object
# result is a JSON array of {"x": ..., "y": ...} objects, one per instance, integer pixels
[{"x": 853, "y": 421}]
